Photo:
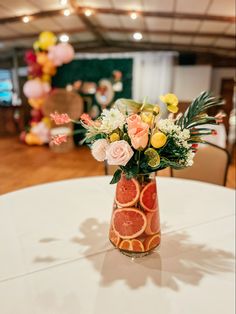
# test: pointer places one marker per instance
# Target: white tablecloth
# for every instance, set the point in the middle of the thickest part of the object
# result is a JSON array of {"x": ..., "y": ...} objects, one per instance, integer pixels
[{"x": 55, "y": 257}]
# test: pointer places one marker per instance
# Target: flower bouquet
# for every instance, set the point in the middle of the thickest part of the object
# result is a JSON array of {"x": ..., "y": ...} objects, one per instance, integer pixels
[{"x": 134, "y": 137}]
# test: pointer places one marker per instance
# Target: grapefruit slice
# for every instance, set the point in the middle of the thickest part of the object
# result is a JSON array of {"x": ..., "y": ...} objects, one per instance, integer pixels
[
  {"x": 132, "y": 245},
  {"x": 153, "y": 223},
  {"x": 151, "y": 242},
  {"x": 128, "y": 223},
  {"x": 125, "y": 245},
  {"x": 127, "y": 192},
  {"x": 114, "y": 237},
  {"x": 137, "y": 245},
  {"x": 148, "y": 197}
]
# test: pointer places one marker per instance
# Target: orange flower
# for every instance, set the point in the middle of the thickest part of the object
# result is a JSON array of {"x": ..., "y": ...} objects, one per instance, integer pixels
[{"x": 139, "y": 136}]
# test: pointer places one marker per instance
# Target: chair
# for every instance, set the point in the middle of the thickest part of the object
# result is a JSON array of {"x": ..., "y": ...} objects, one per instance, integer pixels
[
  {"x": 210, "y": 165},
  {"x": 109, "y": 170}
]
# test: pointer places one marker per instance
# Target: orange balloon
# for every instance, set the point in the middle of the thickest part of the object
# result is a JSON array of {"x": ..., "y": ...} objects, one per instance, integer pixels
[
  {"x": 49, "y": 69},
  {"x": 42, "y": 58}
]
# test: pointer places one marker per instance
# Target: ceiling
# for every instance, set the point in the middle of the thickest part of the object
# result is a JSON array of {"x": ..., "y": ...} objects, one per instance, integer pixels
[{"x": 183, "y": 25}]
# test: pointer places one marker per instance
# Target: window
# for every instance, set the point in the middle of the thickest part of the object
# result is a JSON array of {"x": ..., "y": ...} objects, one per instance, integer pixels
[{"x": 5, "y": 87}]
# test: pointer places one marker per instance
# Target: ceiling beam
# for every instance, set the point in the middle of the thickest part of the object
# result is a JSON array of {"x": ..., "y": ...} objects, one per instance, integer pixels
[
  {"x": 120, "y": 30},
  {"x": 118, "y": 46},
  {"x": 35, "y": 35},
  {"x": 80, "y": 10},
  {"x": 162, "y": 32},
  {"x": 177, "y": 15},
  {"x": 87, "y": 22},
  {"x": 34, "y": 16},
  {"x": 170, "y": 46}
]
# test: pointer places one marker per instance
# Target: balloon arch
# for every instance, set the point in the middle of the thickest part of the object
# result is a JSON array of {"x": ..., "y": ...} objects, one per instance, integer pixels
[{"x": 42, "y": 63}]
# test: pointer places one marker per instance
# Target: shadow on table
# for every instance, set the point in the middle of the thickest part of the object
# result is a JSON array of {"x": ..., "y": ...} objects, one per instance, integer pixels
[{"x": 179, "y": 260}]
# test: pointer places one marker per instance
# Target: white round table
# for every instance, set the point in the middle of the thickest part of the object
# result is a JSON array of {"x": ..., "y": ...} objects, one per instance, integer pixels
[{"x": 55, "y": 257}]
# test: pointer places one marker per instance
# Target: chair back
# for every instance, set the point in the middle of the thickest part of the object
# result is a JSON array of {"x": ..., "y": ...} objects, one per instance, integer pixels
[
  {"x": 109, "y": 170},
  {"x": 210, "y": 165}
]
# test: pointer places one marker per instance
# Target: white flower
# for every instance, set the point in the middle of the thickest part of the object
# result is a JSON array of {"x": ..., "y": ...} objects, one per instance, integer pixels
[
  {"x": 168, "y": 126},
  {"x": 188, "y": 161},
  {"x": 186, "y": 134},
  {"x": 99, "y": 149},
  {"x": 111, "y": 120}
]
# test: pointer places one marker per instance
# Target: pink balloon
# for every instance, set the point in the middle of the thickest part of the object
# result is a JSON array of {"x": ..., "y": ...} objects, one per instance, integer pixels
[
  {"x": 61, "y": 53},
  {"x": 35, "y": 88},
  {"x": 52, "y": 55}
]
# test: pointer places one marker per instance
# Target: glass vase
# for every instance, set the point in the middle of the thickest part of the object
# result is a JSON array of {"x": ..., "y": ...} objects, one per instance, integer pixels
[{"x": 135, "y": 222}]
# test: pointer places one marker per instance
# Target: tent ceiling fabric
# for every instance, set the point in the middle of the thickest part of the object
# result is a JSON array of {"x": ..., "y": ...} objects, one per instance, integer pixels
[{"x": 213, "y": 31}]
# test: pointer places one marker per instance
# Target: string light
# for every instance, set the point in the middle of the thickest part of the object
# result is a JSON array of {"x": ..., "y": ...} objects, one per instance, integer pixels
[
  {"x": 64, "y": 38},
  {"x": 88, "y": 12},
  {"x": 66, "y": 12},
  {"x": 26, "y": 19},
  {"x": 137, "y": 36},
  {"x": 133, "y": 15}
]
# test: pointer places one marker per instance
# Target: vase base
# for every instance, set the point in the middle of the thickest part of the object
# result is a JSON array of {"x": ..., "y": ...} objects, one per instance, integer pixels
[
  {"x": 135, "y": 255},
  {"x": 138, "y": 254}
]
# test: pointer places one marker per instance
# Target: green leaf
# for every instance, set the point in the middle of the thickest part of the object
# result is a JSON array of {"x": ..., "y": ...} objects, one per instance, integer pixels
[
  {"x": 192, "y": 116},
  {"x": 116, "y": 176},
  {"x": 131, "y": 172}
]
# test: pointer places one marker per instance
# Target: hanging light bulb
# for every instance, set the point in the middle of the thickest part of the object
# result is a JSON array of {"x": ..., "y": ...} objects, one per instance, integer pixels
[
  {"x": 64, "y": 38},
  {"x": 88, "y": 12},
  {"x": 66, "y": 12},
  {"x": 137, "y": 36},
  {"x": 26, "y": 19},
  {"x": 63, "y": 2},
  {"x": 133, "y": 15}
]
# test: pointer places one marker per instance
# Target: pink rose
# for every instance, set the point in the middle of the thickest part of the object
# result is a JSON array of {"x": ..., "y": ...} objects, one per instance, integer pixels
[
  {"x": 133, "y": 121},
  {"x": 119, "y": 153},
  {"x": 139, "y": 136}
]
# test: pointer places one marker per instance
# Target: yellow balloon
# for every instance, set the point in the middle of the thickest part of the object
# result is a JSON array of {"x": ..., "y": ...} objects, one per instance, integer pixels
[
  {"x": 47, "y": 122},
  {"x": 36, "y": 103},
  {"x": 32, "y": 139},
  {"x": 47, "y": 39},
  {"x": 46, "y": 78},
  {"x": 36, "y": 45}
]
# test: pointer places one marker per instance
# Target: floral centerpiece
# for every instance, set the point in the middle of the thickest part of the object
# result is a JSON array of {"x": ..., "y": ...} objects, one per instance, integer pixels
[{"x": 136, "y": 139}]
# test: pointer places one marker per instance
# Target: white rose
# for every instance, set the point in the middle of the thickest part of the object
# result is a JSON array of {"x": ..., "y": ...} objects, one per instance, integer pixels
[
  {"x": 99, "y": 149},
  {"x": 119, "y": 153}
]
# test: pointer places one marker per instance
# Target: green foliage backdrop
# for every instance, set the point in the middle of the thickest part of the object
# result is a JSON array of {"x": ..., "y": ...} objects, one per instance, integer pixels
[{"x": 95, "y": 69}]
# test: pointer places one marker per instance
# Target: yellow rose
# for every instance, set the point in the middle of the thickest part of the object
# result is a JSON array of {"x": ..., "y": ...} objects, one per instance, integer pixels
[
  {"x": 114, "y": 137},
  {"x": 171, "y": 102}
]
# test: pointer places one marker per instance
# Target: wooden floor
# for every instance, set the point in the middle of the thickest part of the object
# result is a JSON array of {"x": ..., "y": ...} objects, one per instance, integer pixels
[{"x": 22, "y": 166}]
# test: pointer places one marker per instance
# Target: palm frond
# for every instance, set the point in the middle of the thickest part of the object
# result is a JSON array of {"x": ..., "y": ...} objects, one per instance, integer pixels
[{"x": 195, "y": 114}]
